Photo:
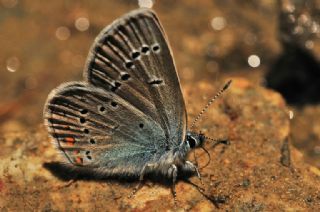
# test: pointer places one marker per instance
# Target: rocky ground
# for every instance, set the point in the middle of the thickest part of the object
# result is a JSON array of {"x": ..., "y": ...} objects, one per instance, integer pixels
[{"x": 273, "y": 159}]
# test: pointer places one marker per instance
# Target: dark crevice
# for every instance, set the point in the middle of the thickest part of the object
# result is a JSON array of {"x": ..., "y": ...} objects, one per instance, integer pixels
[
  {"x": 296, "y": 75},
  {"x": 285, "y": 153}
]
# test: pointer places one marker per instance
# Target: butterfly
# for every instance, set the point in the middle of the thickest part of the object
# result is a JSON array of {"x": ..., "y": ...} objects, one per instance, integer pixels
[{"x": 128, "y": 116}]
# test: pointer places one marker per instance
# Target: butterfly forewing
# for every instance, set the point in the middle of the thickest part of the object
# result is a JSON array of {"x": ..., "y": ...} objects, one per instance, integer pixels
[
  {"x": 130, "y": 109},
  {"x": 132, "y": 58}
]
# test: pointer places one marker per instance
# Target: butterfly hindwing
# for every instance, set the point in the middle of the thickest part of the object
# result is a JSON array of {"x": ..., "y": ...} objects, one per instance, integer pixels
[{"x": 87, "y": 126}]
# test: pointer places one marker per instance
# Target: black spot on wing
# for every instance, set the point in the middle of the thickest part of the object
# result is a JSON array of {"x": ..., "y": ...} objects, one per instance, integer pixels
[{"x": 155, "y": 82}]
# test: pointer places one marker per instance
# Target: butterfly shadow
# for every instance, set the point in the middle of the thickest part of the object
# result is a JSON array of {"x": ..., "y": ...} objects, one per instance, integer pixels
[
  {"x": 66, "y": 173},
  {"x": 69, "y": 173}
]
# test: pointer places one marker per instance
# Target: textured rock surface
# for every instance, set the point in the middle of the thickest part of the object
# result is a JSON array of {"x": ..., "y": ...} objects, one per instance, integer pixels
[{"x": 258, "y": 171}]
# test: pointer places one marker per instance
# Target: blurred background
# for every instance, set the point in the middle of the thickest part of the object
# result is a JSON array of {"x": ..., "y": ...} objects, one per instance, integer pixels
[{"x": 271, "y": 43}]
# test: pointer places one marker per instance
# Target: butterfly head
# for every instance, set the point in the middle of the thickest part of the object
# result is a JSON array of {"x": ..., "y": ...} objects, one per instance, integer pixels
[{"x": 195, "y": 140}]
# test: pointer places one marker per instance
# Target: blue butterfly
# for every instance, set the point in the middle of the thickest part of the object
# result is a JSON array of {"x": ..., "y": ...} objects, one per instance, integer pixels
[{"x": 128, "y": 116}]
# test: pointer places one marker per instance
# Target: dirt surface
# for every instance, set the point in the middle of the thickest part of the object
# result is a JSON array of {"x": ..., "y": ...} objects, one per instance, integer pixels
[{"x": 260, "y": 170}]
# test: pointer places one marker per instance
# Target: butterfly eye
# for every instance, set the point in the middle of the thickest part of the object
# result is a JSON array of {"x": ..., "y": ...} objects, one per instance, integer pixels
[
  {"x": 86, "y": 131},
  {"x": 141, "y": 125},
  {"x": 192, "y": 142}
]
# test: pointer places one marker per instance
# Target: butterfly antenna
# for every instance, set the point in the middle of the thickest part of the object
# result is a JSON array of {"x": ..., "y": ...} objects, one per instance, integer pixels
[{"x": 225, "y": 87}]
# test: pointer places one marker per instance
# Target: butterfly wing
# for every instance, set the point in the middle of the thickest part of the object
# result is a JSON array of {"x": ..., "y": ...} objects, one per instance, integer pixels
[
  {"x": 99, "y": 129},
  {"x": 130, "y": 108},
  {"x": 131, "y": 58}
]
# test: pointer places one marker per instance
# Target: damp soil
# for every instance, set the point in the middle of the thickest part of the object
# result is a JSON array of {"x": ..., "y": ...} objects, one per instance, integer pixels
[{"x": 271, "y": 162}]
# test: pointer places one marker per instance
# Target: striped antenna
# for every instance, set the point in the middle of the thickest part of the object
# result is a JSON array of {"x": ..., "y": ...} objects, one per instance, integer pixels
[{"x": 225, "y": 87}]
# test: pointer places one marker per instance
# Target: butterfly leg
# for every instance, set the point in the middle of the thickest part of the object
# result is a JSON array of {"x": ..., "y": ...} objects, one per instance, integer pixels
[
  {"x": 144, "y": 170},
  {"x": 190, "y": 167},
  {"x": 173, "y": 172}
]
